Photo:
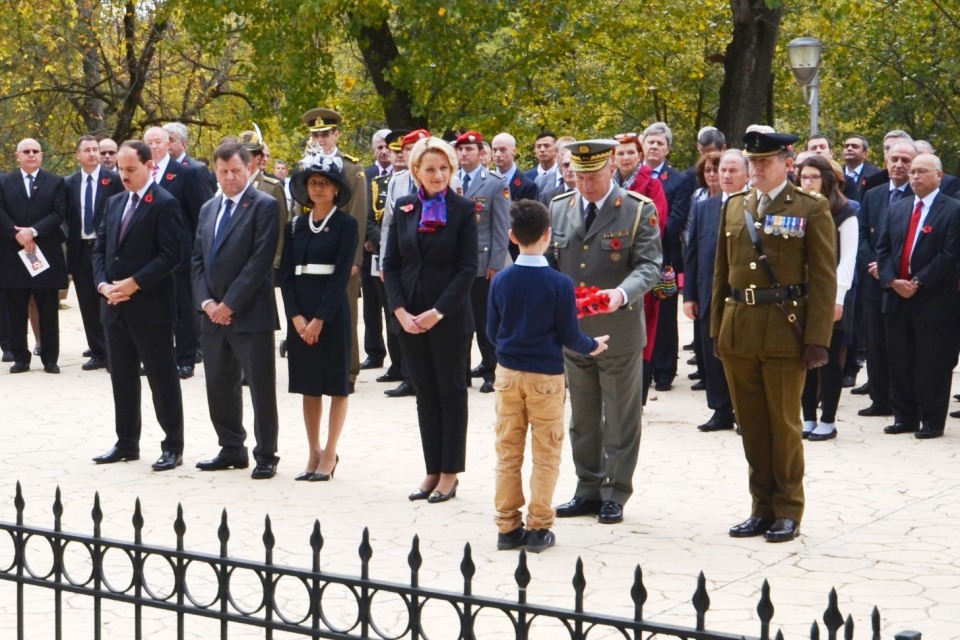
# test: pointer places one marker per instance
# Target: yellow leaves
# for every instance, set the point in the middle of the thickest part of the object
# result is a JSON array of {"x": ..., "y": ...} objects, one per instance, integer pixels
[
  {"x": 442, "y": 11},
  {"x": 349, "y": 82}
]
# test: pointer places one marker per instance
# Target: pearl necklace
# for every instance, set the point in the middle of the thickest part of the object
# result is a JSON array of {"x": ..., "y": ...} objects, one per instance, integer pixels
[{"x": 323, "y": 224}]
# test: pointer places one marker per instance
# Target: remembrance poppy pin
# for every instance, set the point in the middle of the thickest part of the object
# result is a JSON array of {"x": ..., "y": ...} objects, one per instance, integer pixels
[
  {"x": 148, "y": 198},
  {"x": 407, "y": 208},
  {"x": 927, "y": 228},
  {"x": 105, "y": 182},
  {"x": 615, "y": 244},
  {"x": 171, "y": 176}
]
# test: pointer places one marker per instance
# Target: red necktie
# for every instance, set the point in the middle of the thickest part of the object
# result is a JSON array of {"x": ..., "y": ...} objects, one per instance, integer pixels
[{"x": 908, "y": 242}]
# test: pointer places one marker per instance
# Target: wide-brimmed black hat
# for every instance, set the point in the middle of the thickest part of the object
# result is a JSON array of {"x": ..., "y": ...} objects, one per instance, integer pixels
[{"x": 317, "y": 164}]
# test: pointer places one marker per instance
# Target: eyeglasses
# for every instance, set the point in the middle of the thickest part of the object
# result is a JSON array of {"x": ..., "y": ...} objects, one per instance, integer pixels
[
  {"x": 31, "y": 152},
  {"x": 810, "y": 178},
  {"x": 918, "y": 172}
]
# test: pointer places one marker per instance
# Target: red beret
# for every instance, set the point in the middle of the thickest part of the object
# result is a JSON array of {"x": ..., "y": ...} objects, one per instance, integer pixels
[
  {"x": 414, "y": 136},
  {"x": 469, "y": 137}
]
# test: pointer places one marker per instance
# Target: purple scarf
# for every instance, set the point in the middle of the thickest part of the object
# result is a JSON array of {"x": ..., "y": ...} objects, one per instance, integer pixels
[{"x": 434, "y": 211}]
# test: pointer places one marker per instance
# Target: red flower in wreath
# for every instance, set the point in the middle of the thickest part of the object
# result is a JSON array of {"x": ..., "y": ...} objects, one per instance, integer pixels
[
  {"x": 927, "y": 228},
  {"x": 171, "y": 176},
  {"x": 615, "y": 244},
  {"x": 105, "y": 182},
  {"x": 148, "y": 198}
]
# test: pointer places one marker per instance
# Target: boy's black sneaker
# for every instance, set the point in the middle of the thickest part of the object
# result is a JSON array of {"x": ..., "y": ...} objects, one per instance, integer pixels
[
  {"x": 540, "y": 540},
  {"x": 513, "y": 540}
]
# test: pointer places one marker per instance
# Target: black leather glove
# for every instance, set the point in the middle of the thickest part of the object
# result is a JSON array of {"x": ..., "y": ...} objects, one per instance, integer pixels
[{"x": 814, "y": 356}]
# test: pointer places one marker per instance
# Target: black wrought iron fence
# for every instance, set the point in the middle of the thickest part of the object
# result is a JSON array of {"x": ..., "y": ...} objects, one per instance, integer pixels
[{"x": 320, "y": 612}]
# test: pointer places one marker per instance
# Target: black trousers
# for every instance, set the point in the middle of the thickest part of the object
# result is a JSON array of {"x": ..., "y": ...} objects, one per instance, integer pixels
[
  {"x": 436, "y": 361},
  {"x": 825, "y": 383},
  {"x": 372, "y": 312},
  {"x": 4, "y": 323},
  {"x": 923, "y": 353},
  {"x": 187, "y": 327},
  {"x": 396, "y": 367},
  {"x": 667, "y": 345},
  {"x": 225, "y": 354},
  {"x": 488, "y": 352},
  {"x": 718, "y": 393},
  {"x": 878, "y": 361},
  {"x": 89, "y": 300},
  {"x": 18, "y": 310},
  {"x": 127, "y": 346}
]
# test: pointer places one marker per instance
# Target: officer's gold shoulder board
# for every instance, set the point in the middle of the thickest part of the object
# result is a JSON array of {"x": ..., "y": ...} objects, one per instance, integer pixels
[
  {"x": 495, "y": 173},
  {"x": 269, "y": 180},
  {"x": 353, "y": 159},
  {"x": 566, "y": 194},
  {"x": 816, "y": 195},
  {"x": 639, "y": 197},
  {"x": 738, "y": 194}
]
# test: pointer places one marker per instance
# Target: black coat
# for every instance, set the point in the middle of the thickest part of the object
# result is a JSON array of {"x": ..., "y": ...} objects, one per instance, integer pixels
[
  {"x": 108, "y": 185},
  {"x": 45, "y": 211}
]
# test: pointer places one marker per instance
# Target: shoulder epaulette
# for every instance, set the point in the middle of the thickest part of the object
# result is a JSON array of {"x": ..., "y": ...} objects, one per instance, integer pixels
[
  {"x": 739, "y": 194},
  {"x": 638, "y": 196},
  {"x": 353, "y": 159},
  {"x": 816, "y": 195},
  {"x": 495, "y": 173},
  {"x": 565, "y": 194},
  {"x": 268, "y": 179}
]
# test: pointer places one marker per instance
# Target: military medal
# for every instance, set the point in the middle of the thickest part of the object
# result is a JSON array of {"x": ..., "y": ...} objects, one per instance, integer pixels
[
  {"x": 802, "y": 228},
  {"x": 615, "y": 257},
  {"x": 768, "y": 226}
]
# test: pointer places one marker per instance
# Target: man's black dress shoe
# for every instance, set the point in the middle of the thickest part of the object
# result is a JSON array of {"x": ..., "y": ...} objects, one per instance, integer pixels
[
  {"x": 51, "y": 368},
  {"x": 93, "y": 364},
  {"x": 487, "y": 386},
  {"x": 927, "y": 433},
  {"x": 873, "y": 411},
  {"x": 692, "y": 361},
  {"x": 186, "y": 371},
  {"x": 699, "y": 385},
  {"x": 8, "y": 356},
  {"x": 198, "y": 359},
  {"x": 716, "y": 423},
  {"x": 513, "y": 540},
  {"x": 116, "y": 455},
  {"x": 663, "y": 386},
  {"x": 405, "y": 389},
  {"x": 956, "y": 396},
  {"x": 688, "y": 347},
  {"x": 900, "y": 427},
  {"x": 283, "y": 348},
  {"x": 87, "y": 353},
  {"x": 264, "y": 470},
  {"x": 223, "y": 461},
  {"x": 696, "y": 375},
  {"x": 610, "y": 512},
  {"x": 849, "y": 381},
  {"x": 783, "y": 530},
  {"x": 436, "y": 496},
  {"x": 20, "y": 367},
  {"x": 579, "y": 507},
  {"x": 862, "y": 390},
  {"x": 390, "y": 377},
  {"x": 751, "y": 527},
  {"x": 955, "y": 414},
  {"x": 369, "y": 363},
  {"x": 479, "y": 371},
  {"x": 168, "y": 460}
]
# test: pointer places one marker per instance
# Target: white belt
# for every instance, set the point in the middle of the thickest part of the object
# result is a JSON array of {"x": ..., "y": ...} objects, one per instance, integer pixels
[{"x": 314, "y": 270}]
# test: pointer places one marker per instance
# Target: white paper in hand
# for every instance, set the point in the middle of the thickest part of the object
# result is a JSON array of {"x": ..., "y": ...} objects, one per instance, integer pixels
[{"x": 35, "y": 262}]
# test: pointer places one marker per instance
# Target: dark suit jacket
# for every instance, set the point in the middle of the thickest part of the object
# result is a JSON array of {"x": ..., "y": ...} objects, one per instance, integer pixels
[
  {"x": 203, "y": 170},
  {"x": 873, "y": 218},
  {"x": 950, "y": 186},
  {"x": 700, "y": 253},
  {"x": 933, "y": 263},
  {"x": 192, "y": 189},
  {"x": 522, "y": 187},
  {"x": 240, "y": 274},
  {"x": 108, "y": 185},
  {"x": 440, "y": 267},
  {"x": 678, "y": 188},
  {"x": 44, "y": 211},
  {"x": 866, "y": 175},
  {"x": 149, "y": 252}
]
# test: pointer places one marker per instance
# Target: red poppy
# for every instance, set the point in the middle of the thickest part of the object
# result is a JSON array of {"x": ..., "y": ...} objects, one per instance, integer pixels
[
  {"x": 615, "y": 244},
  {"x": 479, "y": 206},
  {"x": 407, "y": 208},
  {"x": 105, "y": 182},
  {"x": 148, "y": 198},
  {"x": 663, "y": 176},
  {"x": 517, "y": 182},
  {"x": 927, "y": 228},
  {"x": 171, "y": 176}
]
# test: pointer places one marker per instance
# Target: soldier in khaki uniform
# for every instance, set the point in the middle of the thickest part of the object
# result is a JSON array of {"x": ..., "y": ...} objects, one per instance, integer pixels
[
  {"x": 324, "y": 132},
  {"x": 606, "y": 237},
  {"x": 253, "y": 143},
  {"x": 771, "y": 324}
]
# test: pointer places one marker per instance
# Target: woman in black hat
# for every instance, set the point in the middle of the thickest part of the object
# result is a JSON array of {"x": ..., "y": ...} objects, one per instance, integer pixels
[{"x": 314, "y": 271}]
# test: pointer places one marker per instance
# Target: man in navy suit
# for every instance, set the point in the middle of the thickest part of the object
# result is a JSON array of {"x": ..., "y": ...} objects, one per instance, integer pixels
[
  {"x": 657, "y": 141},
  {"x": 191, "y": 188},
  {"x": 88, "y": 190},
  {"x": 138, "y": 250},
  {"x": 917, "y": 258},
  {"x": 33, "y": 205},
  {"x": 699, "y": 256},
  {"x": 873, "y": 219},
  {"x": 178, "y": 141},
  {"x": 856, "y": 168}
]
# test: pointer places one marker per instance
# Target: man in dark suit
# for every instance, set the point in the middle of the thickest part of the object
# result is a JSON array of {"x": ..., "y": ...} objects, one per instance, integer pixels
[
  {"x": 545, "y": 173},
  {"x": 137, "y": 252},
  {"x": 108, "y": 154},
  {"x": 33, "y": 205},
  {"x": 949, "y": 185},
  {"x": 191, "y": 188},
  {"x": 568, "y": 177},
  {"x": 891, "y": 138},
  {"x": 856, "y": 168},
  {"x": 178, "y": 142},
  {"x": 504, "y": 150},
  {"x": 917, "y": 258},
  {"x": 873, "y": 220},
  {"x": 378, "y": 177},
  {"x": 233, "y": 286},
  {"x": 88, "y": 190},
  {"x": 657, "y": 142},
  {"x": 699, "y": 256}
]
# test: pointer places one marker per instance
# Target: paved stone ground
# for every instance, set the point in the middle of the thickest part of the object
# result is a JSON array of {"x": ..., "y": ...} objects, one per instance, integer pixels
[{"x": 880, "y": 525}]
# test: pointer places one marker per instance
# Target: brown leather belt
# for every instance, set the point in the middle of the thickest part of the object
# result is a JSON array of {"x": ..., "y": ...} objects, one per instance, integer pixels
[{"x": 773, "y": 295}]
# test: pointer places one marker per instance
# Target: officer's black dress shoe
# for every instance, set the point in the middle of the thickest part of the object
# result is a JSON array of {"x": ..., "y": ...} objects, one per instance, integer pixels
[
  {"x": 699, "y": 385},
  {"x": 862, "y": 390},
  {"x": 87, "y": 353},
  {"x": 167, "y": 461},
  {"x": 224, "y": 460},
  {"x": 688, "y": 347},
  {"x": 874, "y": 410},
  {"x": 579, "y": 507},
  {"x": 487, "y": 386},
  {"x": 716, "y": 423},
  {"x": 8, "y": 356},
  {"x": 419, "y": 494},
  {"x": 663, "y": 386},
  {"x": 370, "y": 363},
  {"x": 783, "y": 530},
  {"x": 479, "y": 371},
  {"x": 956, "y": 396},
  {"x": 610, "y": 512},
  {"x": 955, "y": 414},
  {"x": 405, "y": 389},
  {"x": 751, "y": 527},
  {"x": 93, "y": 364},
  {"x": 696, "y": 375},
  {"x": 264, "y": 470},
  {"x": 20, "y": 367},
  {"x": 900, "y": 427},
  {"x": 927, "y": 433},
  {"x": 186, "y": 371},
  {"x": 116, "y": 455},
  {"x": 390, "y": 377},
  {"x": 692, "y": 361},
  {"x": 849, "y": 381},
  {"x": 51, "y": 368}
]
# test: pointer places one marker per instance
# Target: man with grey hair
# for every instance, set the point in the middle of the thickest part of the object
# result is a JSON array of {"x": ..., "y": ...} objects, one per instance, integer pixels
[
  {"x": 179, "y": 141},
  {"x": 949, "y": 185},
  {"x": 382, "y": 165},
  {"x": 657, "y": 142},
  {"x": 891, "y": 138}
]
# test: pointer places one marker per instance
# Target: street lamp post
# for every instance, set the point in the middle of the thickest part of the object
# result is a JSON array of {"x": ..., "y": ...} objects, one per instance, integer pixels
[{"x": 805, "y": 61}]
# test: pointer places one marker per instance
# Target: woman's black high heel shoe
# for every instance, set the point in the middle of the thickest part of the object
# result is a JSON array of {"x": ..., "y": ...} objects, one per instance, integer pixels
[
  {"x": 324, "y": 477},
  {"x": 436, "y": 496}
]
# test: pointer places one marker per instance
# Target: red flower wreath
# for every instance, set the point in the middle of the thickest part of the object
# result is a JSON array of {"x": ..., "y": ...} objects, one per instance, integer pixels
[
  {"x": 590, "y": 301},
  {"x": 927, "y": 228},
  {"x": 615, "y": 244},
  {"x": 148, "y": 198}
]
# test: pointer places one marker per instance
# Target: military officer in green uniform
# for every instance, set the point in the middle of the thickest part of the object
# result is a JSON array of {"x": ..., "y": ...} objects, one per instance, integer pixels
[
  {"x": 324, "y": 125},
  {"x": 605, "y": 237},
  {"x": 774, "y": 291},
  {"x": 253, "y": 143}
]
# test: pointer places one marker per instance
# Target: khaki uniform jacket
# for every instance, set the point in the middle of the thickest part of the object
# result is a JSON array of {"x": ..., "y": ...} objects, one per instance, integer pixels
[
  {"x": 811, "y": 259},
  {"x": 357, "y": 205},
  {"x": 622, "y": 249},
  {"x": 274, "y": 187}
]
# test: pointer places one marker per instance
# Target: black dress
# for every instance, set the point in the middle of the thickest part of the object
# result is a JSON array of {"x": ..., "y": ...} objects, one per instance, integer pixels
[{"x": 322, "y": 369}]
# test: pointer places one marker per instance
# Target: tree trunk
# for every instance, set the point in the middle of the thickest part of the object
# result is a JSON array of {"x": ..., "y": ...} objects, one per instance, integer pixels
[
  {"x": 745, "y": 97},
  {"x": 380, "y": 52},
  {"x": 92, "y": 108}
]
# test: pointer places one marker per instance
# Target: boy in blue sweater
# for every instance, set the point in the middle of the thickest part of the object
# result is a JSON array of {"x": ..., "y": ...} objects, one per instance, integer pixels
[{"x": 531, "y": 316}]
